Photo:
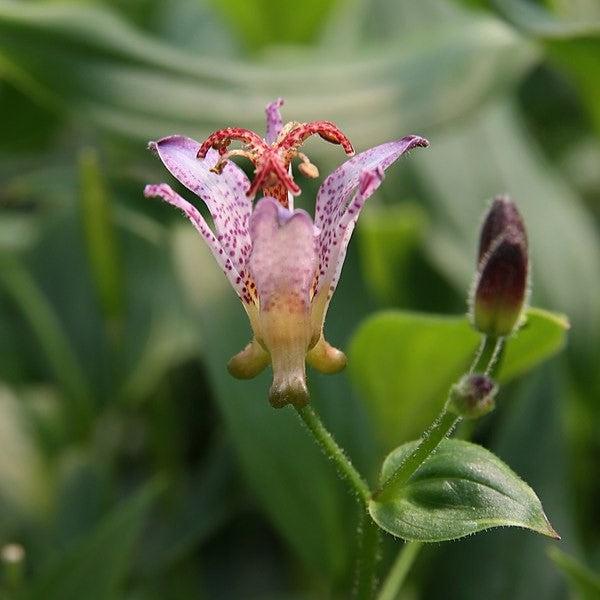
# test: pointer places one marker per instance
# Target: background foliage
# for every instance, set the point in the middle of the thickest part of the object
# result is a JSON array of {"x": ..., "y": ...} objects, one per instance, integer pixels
[{"x": 132, "y": 465}]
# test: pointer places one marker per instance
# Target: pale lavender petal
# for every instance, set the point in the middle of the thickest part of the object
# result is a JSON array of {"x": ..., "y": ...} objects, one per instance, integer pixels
[
  {"x": 284, "y": 255},
  {"x": 164, "y": 191},
  {"x": 341, "y": 198},
  {"x": 336, "y": 189},
  {"x": 224, "y": 194},
  {"x": 283, "y": 264},
  {"x": 274, "y": 120}
]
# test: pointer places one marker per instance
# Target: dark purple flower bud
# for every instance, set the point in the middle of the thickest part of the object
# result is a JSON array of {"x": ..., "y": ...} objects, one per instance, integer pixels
[
  {"x": 473, "y": 396},
  {"x": 502, "y": 215},
  {"x": 500, "y": 288}
]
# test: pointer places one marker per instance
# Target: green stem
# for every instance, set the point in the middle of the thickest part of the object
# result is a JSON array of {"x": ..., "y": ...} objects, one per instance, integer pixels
[
  {"x": 429, "y": 442},
  {"x": 368, "y": 532},
  {"x": 368, "y": 557},
  {"x": 404, "y": 561},
  {"x": 495, "y": 360},
  {"x": 325, "y": 440},
  {"x": 484, "y": 354}
]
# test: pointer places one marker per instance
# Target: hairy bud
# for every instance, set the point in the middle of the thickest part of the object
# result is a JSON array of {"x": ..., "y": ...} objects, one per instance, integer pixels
[
  {"x": 500, "y": 289},
  {"x": 501, "y": 216},
  {"x": 473, "y": 396}
]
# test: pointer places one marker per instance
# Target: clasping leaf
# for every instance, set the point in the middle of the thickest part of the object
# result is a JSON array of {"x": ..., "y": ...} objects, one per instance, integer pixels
[{"x": 461, "y": 489}]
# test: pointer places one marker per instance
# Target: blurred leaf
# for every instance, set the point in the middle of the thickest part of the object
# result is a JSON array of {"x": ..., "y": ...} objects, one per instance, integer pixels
[
  {"x": 209, "y": 500},
  {"x": 564, "y": 247},
  {"x": 98, "y": 228},
  {"x": 24, "y": 482},
  {"x": 582, "y": 580},
  {"x": 104, "y": 72},
  {"x": 95, "y": 567},
  {"x": 537, "y": 20},
  {"x": 262, "y": 23},
  {"x": 17, "y": 232},
  {"x": 82, "y": 491},
  {"x": 388, "y": 239},
  {"x": 404, "y": 363},
  {"x": 29, "y": 299},
  {"x": 542, "y": 336},
  {"x": 460, "y": 489},
  {"x": 573, "y": 41}
]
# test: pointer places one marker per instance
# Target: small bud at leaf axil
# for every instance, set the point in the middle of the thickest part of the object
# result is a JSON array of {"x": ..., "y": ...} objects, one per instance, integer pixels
[{"x": 473, "y": 396}]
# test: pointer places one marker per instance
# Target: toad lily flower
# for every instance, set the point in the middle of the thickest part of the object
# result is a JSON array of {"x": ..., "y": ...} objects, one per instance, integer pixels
[{"x": 283, "y": 266}]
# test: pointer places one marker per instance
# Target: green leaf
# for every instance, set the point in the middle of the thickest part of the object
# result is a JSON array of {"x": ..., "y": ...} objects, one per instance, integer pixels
[
  {"x": 540, "y": 22},
  {"x": 94, "y": 567},
  {"x": 388, "y": 239},
  {"x": 100, "y": 235},
  {"x": 404, "y": 363},
  {"x": 583, "y": 581},
  {"x": 37, "y": 311},
  {"x": 263, "y": 23},
  {"x": 88, "y": 62},
  {"x": 461, "y": 489}
]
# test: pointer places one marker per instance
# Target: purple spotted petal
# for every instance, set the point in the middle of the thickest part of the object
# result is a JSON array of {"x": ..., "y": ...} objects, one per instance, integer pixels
[
  {"x": 283, "y": 264},
  {"x": 339, "y": 202},
  {"x": 284, "y": 255},
  {"x": 274, "y": 120},
  {"x": 164, "y": 191},
  {"x": 224, "y": 194}
]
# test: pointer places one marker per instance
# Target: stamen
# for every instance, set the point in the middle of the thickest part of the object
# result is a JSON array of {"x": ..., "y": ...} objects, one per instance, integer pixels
[
  {"x": 306, "y": 167},
  {"x": 220, "y": 164},
  {"x": 272, "y": 162}
]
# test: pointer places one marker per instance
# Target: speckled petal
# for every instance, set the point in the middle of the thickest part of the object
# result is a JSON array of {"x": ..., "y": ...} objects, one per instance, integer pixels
[
  {"x": 224, "y": 194},
  {"x": 274, "y": 120},
  {"x": 165, "y": 192},
  {"x": 339, "y": 202},
  {"x": 283, "y": 255},
  {"x": 282, "y": 264}
]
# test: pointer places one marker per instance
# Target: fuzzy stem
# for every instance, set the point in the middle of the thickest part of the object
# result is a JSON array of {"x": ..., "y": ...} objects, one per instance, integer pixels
[
  {"x": 368, "y": 543},
  {"x": 442, "y": 426},
  {"x": 325, "y": 440},
  {"x": 487, "y": 359}
]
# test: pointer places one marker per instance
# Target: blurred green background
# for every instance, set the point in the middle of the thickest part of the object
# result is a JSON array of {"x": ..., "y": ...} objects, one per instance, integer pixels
[{"x": 131, "y": 464}]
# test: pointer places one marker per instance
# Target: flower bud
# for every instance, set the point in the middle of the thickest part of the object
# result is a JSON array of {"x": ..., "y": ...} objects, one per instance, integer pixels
[
  {"x": 473, "y": 396},
  {"x": 502, "y": 215},
  {"x": 500, "y": 288}
]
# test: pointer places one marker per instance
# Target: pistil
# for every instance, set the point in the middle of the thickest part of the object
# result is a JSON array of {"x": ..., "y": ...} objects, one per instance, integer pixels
[{"x": 271, "y": 161}]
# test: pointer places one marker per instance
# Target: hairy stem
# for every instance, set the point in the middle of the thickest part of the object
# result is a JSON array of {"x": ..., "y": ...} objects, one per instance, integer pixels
[
  {"x": 368, "y": 543},
  {"x": 441, "y": 427},
  {"x": 487, "y": 357},
  {"x": 325, "y": 440}
]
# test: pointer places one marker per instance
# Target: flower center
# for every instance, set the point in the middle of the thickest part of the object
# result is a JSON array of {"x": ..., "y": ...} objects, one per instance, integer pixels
[{"x": 272, "y": 161}]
